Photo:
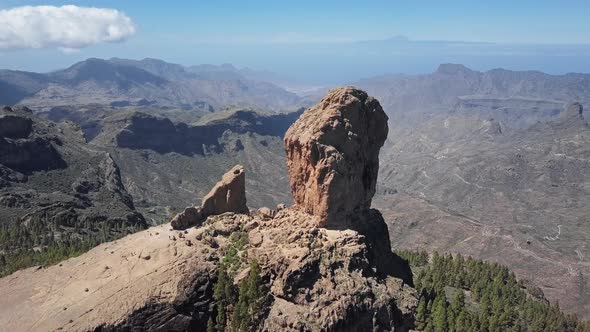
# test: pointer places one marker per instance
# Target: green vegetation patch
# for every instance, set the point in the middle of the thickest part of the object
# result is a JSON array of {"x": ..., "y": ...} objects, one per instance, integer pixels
[
  {"x": 45, "y": 243},
  {"x": 464, "y": 295},
  {"x": 236, "y": 306}
]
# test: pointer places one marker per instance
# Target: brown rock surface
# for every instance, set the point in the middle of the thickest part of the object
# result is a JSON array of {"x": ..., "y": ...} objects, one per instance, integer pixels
[
  {"x": 191, "y": 216},
  {"x": 121, "y": 283},
  {"x": 315, "y": 279},
  {"x": 311, "y": 278},
  {"x": 228, "y": 195},
  {"x": 333, "y": 154}
]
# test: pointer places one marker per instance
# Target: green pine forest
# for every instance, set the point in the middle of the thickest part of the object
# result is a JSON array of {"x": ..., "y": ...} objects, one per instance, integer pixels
[
  {"x": 44, "y": 241},
  {"x": 460, "y": 294}
]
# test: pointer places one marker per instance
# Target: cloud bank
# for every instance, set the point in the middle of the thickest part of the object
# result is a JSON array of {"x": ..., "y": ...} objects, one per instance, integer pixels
[{"x": 66, "y": 28}]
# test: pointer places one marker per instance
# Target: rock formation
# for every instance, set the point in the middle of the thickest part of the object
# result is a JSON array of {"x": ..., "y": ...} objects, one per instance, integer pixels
[
  {"x": 314, "y": 279},
  {"x": 573, "y": 111},
  {"x": 228, "y": 195},
  {"x": 274, "y": 270},
  {"x": 333, "y": 155},
  {"x": 51, "y": 171},
  {"x": 14, "y": 126}
]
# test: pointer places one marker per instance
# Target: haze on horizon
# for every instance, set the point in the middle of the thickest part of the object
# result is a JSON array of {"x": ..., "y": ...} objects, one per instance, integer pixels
[{"x": 322, "y": 43}]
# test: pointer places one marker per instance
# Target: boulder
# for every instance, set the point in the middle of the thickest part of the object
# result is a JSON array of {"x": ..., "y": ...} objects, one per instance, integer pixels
[
  {"x": 333, "y": 154},
  {"x": 265, "y": 212},
  {"x": 191, "y": 216},
  {"x": 228, "y": 195}
]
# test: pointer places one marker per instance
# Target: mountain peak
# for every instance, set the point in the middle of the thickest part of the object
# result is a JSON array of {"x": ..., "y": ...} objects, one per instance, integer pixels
[{"x": 452, "y": 69}]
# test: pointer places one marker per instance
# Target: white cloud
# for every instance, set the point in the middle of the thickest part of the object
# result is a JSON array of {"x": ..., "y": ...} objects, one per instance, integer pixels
[{"x": 66, "y": 28}]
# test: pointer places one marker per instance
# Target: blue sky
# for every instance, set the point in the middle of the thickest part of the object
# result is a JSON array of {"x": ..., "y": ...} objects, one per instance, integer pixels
[{"x": 295, "y": 36}]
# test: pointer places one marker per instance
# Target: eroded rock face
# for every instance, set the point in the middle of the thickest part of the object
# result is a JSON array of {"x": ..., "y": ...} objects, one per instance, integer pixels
[
  {"x": 228, "y": 195},
  {"x": 191, "y": 216},
  {"x": 333, "y": 154},
  {"x": 14, "y": 126},
  {"x": 331, "y": 271}
]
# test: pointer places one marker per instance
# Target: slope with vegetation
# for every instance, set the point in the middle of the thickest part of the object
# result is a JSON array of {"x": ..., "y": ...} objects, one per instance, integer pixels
[
  {"x": 464, "y": 294},
  {"x": 58, "y": 195}
]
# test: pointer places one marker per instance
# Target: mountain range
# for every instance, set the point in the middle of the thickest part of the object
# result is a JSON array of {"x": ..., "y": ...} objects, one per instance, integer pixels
[
  {"x": 410, "y": 98},
  {"x": 120, "y": 82},
  {"x": 490, "y": 164}
]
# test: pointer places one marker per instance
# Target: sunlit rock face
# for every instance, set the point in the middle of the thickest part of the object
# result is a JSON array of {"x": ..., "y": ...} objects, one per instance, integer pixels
[{"x": 333, "y": 154}]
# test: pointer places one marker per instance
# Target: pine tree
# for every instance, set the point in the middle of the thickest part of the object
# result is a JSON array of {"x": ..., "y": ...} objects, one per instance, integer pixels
[
  {"x": 439, "y": 314},
  {"x": 421, "y": 311},
  {"x": 458, "y": 302}
]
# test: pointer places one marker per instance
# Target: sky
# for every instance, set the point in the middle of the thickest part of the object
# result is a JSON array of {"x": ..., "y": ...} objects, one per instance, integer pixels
[{"x": 310, "y": 40}]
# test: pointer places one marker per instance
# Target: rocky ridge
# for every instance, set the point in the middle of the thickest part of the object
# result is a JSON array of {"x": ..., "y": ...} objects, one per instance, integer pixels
[
  {"x": 120, "y": 82},
  {"x": 49, "y": 174},
  {"x": 312, "y": 278}
]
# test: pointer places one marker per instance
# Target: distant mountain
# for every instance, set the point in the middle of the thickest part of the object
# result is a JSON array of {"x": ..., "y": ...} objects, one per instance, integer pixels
[
  {"x": 120, "y": 82},
  {"x": 122, "y": 77},
  {"x": 411, "y": 97},
  {"x": 16, "y": 85},
  {"x": 166, "y": 70}
]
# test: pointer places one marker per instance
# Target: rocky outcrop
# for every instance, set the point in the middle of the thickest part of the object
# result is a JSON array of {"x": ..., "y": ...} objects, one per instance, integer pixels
[
  {"x": 333, "y": 155},
  {"x": 573, "y": 111},
  {"x": 274, "y": 270},
  {"x": 50, "y": 175},
  {"x": 23, "y": 150},
  {"x": 313, "y": 279},
  {"x": 228, "y": 195},
  {"x": 328, "y": 270},
  {"x": 14, "y": 126}
]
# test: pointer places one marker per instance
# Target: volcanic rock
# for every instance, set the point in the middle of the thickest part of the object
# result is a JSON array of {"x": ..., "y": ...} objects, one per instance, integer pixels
[
  {"x": 308, "y": 278},
  {"x": 191, "y": 216},
  {"x": 574, "y": 111},
  {"x": 319, "y": 280},
  {"x": 228, "y": 195},
  {"x": 265, "y": 212},
  {"x": 333, "y": 154},
  {"x": 14, "y": 126}
]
